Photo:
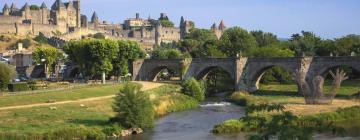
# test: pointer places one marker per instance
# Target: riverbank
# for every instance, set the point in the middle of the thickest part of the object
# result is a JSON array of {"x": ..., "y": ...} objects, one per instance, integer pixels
[
  {"x": 86, "y": 116},
  {"x": 345, "y": 108}
]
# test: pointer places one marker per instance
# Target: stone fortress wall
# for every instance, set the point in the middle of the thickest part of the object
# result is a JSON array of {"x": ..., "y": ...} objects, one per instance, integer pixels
[{"x": 65, "y": 22}]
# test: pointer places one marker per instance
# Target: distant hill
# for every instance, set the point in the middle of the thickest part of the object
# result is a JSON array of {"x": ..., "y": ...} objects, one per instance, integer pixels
[{"x": 284, "y": 39}]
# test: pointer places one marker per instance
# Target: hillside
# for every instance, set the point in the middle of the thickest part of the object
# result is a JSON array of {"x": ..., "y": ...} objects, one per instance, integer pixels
[{"x": 8, "y": 42}]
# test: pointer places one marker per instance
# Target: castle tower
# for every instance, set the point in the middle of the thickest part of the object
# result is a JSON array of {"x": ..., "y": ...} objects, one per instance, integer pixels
[
  {"x": 44, "y": 14},
  {"x": 214, "y": 27},
  {"x": 222, "y": 26},
  {"x": 13, "y": 8},
  {"x": 95, "y": 20},
  {"x": 78, "y": 13},
  {"x": 6, "y": 10},
  {"x": 185, "y": 27},
  {"x": 26, "y": 11}
]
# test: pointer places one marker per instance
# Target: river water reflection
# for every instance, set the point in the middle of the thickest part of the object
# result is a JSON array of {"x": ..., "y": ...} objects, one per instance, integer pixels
[{"x": 196, "y": 124}]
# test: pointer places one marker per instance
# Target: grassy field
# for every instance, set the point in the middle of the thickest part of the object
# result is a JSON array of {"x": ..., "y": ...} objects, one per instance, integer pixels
[
  {"x": 69, "y": 94},
  {"x": 94, "y": 114},
  {"x": 285, "y": 92}
]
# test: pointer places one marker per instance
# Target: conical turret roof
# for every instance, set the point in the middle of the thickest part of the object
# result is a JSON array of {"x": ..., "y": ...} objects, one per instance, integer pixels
[
  {"x": 213, "y": 27},
  {"x": 222, "y": 25},
  {"x": 94, "y": 18},
  {"x": 57, "y": 5},
  {"x": 6, "y": 7},
  {"x": 26, "y": 6},
  {"x": 43, "y": 5}
]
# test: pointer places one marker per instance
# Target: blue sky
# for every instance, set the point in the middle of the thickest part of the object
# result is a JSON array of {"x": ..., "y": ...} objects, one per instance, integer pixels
[{"x": 327, "y": 18}]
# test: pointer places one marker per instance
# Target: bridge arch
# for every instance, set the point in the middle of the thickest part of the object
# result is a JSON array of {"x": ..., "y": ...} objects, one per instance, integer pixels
[
  {"x": 257, "y": 74},
  {"x": 206, "y": 70},
  {"x": 325, "y": 70},
  {"x": 156, "y": 71}
]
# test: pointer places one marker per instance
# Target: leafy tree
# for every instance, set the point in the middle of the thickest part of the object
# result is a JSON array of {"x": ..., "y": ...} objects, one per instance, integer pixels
[
  {"x": 264, "y": 39},
  {"x": 304, "y": 43},
  {"x": 99, "y": 36},
  {"x": 209, "y": 49},
  {"x": 7, "y": 72},
  {"x": 25, "y": 42},
  {"x": 41, "y": 38},
  {"x": 94, "y": 56},
  {"x": 194, "y": 88},
  {"x": 47, "y": 57},
  {"x": 166, "y": 23},
  {"x": 326, "y": 48},
  {"x": 34, "y": 7},
  {"x": 346, "y": 44},
  {"x": 133, "y": 108},
  {"x": 201, "y": 35},
  {"x": 166, "y": 53},
  {"x": 128, "y": 50},
  {"x": 235, "y": 41}
]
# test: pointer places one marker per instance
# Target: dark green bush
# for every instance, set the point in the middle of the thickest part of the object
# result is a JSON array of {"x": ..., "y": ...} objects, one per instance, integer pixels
[
  {"x": 99, "y": 36},
  {"x": 26, "y": 42},
  {"x": 194, "y": 88},
  {"x": 7, "y": 72},
  {"x": 133, "y": 108},
  {"x": 41, "y": 38},
  {"x": 76, "y": 132},
  {"x": 14, "y": 87},
  {"x": 112, "y": 129},
  {"x": 32, "y": 85}
]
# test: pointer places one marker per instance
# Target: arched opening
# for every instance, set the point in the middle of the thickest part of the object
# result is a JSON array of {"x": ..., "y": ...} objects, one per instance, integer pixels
[
  {"x": 349, "y": 88},
  {"x": 75, "y": 73},
  {"x": 274, "y": 80},
  {"x": 218, "y": 81},
  {"x": 164, "y": 74}
]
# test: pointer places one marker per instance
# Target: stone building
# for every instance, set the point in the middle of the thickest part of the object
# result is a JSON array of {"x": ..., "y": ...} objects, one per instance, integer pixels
[
  {"x": 33, "y": 19},
  {"x": 218, "y": 30}
]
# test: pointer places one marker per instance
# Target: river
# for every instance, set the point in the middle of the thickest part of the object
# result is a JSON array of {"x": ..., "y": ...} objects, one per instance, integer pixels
[{"x": 196, "y": 124}]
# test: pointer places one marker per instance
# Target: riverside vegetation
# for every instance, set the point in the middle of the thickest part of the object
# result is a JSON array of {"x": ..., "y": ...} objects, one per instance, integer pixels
[
  {"x": 269, "y": 113},
  {"x": 88, "y": 120}
]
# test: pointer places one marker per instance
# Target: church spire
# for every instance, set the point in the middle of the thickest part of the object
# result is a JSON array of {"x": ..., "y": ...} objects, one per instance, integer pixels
[
  {"x": 222, "y": 25},
  {"x": 94, "y": 18},
  {"x": 214, "y": 27},
  {"x": 43, "y": 6}
]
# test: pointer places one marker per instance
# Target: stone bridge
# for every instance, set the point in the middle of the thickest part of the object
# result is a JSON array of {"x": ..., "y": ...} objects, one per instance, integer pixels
[{"x": 246, "y": 72}]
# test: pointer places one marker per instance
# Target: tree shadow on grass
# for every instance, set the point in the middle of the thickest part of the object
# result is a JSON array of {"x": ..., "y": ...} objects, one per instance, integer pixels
[
  {"x": 89, "y": 122},
  {"x": 276, "y": 93}
]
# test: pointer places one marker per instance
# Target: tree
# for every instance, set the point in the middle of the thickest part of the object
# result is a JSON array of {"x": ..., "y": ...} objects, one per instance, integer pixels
[
  {"x": 7, "y": 72},
  {"x": 304, "y": 43},
  {"x": 133, "y": 107},
  {"x": 236, "y": 41},
  {"x": 166, "y": 53},
  {"x": 99, "y": 36},
  {"x": 209, "y": 49},
  {"x": 46, "y": 56},
  {"x": 347, "y": 44},
  {"x": 326, "y": 48},
  {"x": 166, "y": 23},
  {"x": 128, "y": 50},
  {"x": 264, "y": 39},
  {"x": 93, "y": 56},
  {"x": 194, "y": 88},
  {"x": 41, "y": 38}
]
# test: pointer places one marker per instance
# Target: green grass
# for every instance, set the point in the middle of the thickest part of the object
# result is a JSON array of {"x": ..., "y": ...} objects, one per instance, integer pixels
[
  {"x": 88, "y": 115},
  {"x": 69, "y": 94},
  {"x": 285, "y": 92}
]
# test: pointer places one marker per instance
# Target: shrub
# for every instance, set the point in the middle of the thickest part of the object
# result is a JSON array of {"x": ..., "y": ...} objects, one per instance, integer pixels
[
  {"x": 7, "y": 72},
  {"x": 41, "y": 38},
  {"x": 14, "y": 87},
  {"x": 80, "y": 132},
  {"x": 111, "y": 130},
  {"x": 244, "y": 99},
  {"x": 133, "y": 108},
  {"x": 32, "y": 85},
  {"x": 194, "y": 88},
  {"x": 229, "y": 126},
  {"x": 99, "y": 36},
  {"x": 26, "y": 42}
]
